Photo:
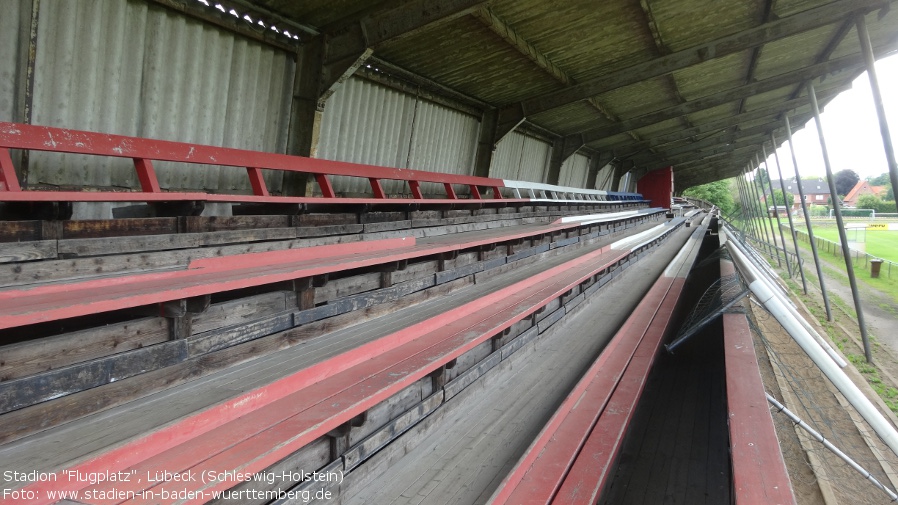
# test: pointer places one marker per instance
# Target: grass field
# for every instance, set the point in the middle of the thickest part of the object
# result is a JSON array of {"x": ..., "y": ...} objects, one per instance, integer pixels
[{"x": 882, "y": 244}]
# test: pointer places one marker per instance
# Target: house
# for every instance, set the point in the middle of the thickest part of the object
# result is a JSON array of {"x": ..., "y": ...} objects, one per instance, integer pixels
[
  {"x": 863, "y": 188},
  {"x": 816, "y": 192}
]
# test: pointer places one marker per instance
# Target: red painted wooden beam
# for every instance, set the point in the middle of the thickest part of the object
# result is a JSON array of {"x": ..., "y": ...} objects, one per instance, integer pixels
[
  {"x": 571, "y": 459},
  {"x": 759, "y": 472},
  {"x": 254, "y": 430},
  {"x": 22, "y": 306},
  {"x": 44, "y": 138}
]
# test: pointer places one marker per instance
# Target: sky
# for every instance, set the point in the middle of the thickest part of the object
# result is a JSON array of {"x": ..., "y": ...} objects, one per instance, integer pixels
[{"x": 851, "y": 129}]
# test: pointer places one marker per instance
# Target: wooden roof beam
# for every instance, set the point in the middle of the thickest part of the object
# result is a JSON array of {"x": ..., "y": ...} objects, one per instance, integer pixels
[
  {"x": 718, "y": 125},
  {"x": 723, "y": 97},
  {"x": 346, "y": 46},
  {"x": 746, "y": 39},
  {"x": 507, "y": 33}
]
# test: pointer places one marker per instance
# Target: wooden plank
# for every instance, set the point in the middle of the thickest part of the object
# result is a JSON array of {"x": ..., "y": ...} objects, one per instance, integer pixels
[
  {"x": 465, "y": 379},
  {"x": 124, "y": 245},
  {"x": 510, "y": 297},
  {"x": 242, "y": 310},
  {"x": 381, "y": 414},
  {"x": 27, "y": 251},
  {"x": 15, "y": 231},
  {"x": 316, "y": 455},
  {"x": 23, "y": 422},
  {"x": 551, "y": 319},
  {"x": 93, "y": 228},
  {"x": 759, "y": 471},
  {"x": 27, "y": 391},
  {"x": 199, "y": 224},
  {"x": 520, "y": 341},
  {"x": 28, "y": 358},
  {"x": 379, "y": 439},
  {"x": 75, "y": 268},
  {"x": 320, "y": 231},
  {"x": 239, "y": 333}
]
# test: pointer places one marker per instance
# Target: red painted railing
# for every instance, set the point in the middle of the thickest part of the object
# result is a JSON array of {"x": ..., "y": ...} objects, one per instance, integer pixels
[{"x": 146, "y": 151}]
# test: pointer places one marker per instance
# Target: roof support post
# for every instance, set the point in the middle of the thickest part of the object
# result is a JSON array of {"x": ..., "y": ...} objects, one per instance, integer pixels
[
  {"x": 562, "y": 149},
  {"x": 807, "y": 220},
  {"x": 756, "y": 200},
  {"x": 753, "y": 211},
  {"x": 779, "y": 224},
  {"x": 305, "y": 115},
  {"x": 760, "y": 190},
  {"x": 596, "y": 163},
  {"x": 619, "y": 171},
  {"x": 779, "y": 171},
  {"x": 745, "y": 210},
  {"x": 486, "y": 143},
  {"x": 840, "y": 224},
  {"x": 867, "y": 49}
]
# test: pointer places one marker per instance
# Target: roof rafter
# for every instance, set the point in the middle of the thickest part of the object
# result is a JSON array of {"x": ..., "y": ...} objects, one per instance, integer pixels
[
  {"x": 746, "y": 39},
  {"x": 507, "y": 32},
  {"x": 723, "y": 97}
]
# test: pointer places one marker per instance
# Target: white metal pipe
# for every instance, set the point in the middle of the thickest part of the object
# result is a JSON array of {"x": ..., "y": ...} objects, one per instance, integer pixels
[
  {"x": 774, "y": 287},
  {"x": 811, "y": 347},
  {"x": 826, "y": 443}
]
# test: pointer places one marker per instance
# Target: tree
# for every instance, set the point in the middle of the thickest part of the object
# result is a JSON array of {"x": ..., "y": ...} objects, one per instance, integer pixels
[
  {"x": 875, "y": 203},
  {"x": 778, "y": 198},
  {"x": 717, "y": 192},
  {"x": 762, "y": 176},
  {"x": 845, "y": 180},
  {"x": 879, "y": 180},
  {"x": 868, "y": 202}
]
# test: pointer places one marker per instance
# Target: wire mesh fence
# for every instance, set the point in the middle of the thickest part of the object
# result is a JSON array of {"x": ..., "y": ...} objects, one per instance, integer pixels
[
  {"x": 795, "y": 381},
  {"x": 859, "y": 258}
]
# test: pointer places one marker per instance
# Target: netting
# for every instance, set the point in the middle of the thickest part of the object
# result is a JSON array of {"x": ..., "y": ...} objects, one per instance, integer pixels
[{"x": 791, "y": 377}]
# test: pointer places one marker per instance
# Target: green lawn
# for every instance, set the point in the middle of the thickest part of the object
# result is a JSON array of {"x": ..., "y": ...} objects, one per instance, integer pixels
[{"x": 882, "y": 244}]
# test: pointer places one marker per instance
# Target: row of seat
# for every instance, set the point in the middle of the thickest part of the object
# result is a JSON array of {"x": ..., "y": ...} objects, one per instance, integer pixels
[
  {"x": 251, "y": 432},
  {"x": 572, "y": 458},
  {"x": 30, "y": 305}
]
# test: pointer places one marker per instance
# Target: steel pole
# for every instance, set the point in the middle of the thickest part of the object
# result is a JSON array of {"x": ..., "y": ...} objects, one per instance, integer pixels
[
  {"x": 764, "y": 208},
  {"x": 748, "y": 225},
  {"x": 763, "y": 226},
  {"x": 751, "y": 209},
  {"x": 779, "y": 170},
  {"x": 867, "y": 49},
  {"x": 840, "y": 224},
  {"x": 807, "y": 222},
  {"x": 776, "y": 213}
]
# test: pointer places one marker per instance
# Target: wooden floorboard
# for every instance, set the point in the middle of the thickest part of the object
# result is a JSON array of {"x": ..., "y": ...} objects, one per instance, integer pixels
[
  {"x": 676, "y": 450},
  {"x": 48, "y": 450},
  {"x": 464, "y": 460}
]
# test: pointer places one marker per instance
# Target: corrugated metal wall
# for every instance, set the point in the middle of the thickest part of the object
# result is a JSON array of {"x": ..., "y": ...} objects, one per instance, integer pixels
[
  {"x": 520, "y": 157},
  {"x": 13, "y": 32},
  {"x": 365, "y": 122},
  {"x": 574, "y": 171},
  {"x": 119, "y": 67},
  {"x": 603, "y": 179}
]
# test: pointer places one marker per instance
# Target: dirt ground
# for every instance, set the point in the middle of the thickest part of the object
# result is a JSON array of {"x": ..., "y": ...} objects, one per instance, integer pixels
[{"x": 818, "y": 476}]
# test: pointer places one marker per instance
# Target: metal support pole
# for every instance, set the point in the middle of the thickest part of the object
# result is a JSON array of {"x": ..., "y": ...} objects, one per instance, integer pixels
[
  {"x": 754, "y": 211},
  {"x": 779, "y": 224},
  {"x": 840, "y": 224},
  {"x": 807, "y": 221},
  {"x": 760, "y": 190},
  {"x": 829, "y": 445},
  {"x": 763, "y": 226},
  {"x": 746, "y": 225},
  {"x": 751, "y": 224},
  {"x": 867, "y": 50},
  {"x": 779, "y": 170}
]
